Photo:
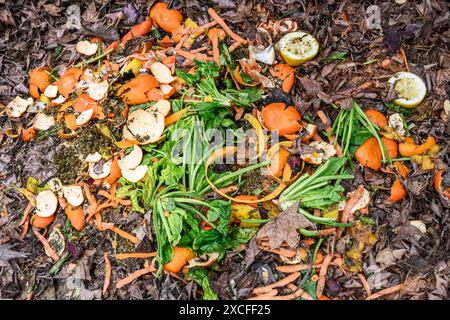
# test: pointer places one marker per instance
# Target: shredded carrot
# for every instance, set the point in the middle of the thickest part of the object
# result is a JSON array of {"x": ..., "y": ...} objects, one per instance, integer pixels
[
  {"x": 192, "y": 56},
  {"x": 133, "y": 276},
  {"x": 365, "y": 284},
  {"x": 199, "y": 30},
  {"x": 405, "y": 59},
  {"x": 288, "y": 253},
  {"x": 174, "y": 117},
  {"x": 234, "y": 46},
  {"x": 26, "y": 214},
  {"x": 135, "y": 255},
  {"x": 325, "y": 232},
  {"x": 265, "y": 296},
  {"x": 48, "y": 249},
  {"x": 322, "y": 274},
  {"x": 91, "y": 200},
  {"x": 112, "y": 197},
  {"x": 281, "y": 283},
  {"x": 384, "y": 292},
  {"x": 120, "y": 232},
  {"x": 299, "y": 293},
  {"x": 107, "y": 274},
  {"x": 225, "y": 27},
  {"x": 295, "y": 267},
  {"x": 24, "y": 229},
  {"x": 102, "y": 206}
]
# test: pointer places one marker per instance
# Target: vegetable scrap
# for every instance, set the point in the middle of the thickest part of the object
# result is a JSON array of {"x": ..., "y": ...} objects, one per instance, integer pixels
[{"x": 186, "y": 144}]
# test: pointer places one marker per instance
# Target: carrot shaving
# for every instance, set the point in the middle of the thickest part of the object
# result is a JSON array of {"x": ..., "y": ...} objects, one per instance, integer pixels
[
  {"x": 225, "y": 27},
  {"x": 192, "y": 56},
  {"x": 281, "y": 283},
  {"x": 114, "y": 198},
  {"x": 322, "y": 274},
  {"x": 107, "y": 274},
  {"x": 135, "y": 255},
  {"x": 120, "y": 232},
  {"x": 91, "y": 200},
  {"x": 365, "y": 284},
  {"x": 102, "y": 206},
  {"x": 135, "y": 275},
  {"x": 384, "y": 292},
  {"x": 265, "y": 296},
  {"x": 325, "y": 232},
  {"x": 296, "y": 267},
  {"x": 47, "y": 248},
  {"x": 234, "y": 46},
  {"x": 24, "y": 229},
  {"x": 26, "y": 213},
  {"x": 405, "y": 59},
  {"x": 299, "y": 293},
  {"x": 174, "y": 117}
]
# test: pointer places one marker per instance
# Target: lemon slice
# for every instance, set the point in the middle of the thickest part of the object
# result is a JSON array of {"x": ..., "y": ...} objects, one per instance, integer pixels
[
  {"x": 410, "y": 89},
  {"x": 298, "y": 47}
]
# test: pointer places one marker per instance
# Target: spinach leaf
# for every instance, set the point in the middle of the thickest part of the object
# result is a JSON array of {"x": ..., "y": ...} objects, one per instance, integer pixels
[{"x": 200, "y": 276}]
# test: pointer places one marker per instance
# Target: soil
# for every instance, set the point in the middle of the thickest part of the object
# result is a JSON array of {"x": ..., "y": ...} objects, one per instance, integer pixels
[{"x": 35, "y": 33}]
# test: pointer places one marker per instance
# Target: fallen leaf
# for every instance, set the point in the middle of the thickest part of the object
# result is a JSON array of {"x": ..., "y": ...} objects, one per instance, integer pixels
[
  {"x": 284, "y": 228},
  {"x": 6, "y": 254}
]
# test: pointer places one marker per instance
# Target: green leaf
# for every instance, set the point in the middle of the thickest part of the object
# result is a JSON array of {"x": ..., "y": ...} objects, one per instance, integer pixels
[
  {"x": 338, "y": 56},
  {"x": 200, "y": 276}
]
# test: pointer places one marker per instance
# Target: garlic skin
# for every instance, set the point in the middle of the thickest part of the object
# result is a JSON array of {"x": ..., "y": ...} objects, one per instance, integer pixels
[{"x": 266, "y": 56}]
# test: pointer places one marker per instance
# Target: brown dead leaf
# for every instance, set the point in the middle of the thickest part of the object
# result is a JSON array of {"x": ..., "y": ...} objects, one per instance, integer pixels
[{"x": 284, "y": 228}]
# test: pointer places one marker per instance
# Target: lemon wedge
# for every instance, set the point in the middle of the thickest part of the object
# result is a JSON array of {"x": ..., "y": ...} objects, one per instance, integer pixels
[
  {"x": 298, "y": 47},
  {"x": 410, "y": 89}
]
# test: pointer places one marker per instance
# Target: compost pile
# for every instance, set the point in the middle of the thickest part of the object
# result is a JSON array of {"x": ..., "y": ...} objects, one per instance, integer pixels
[{"x": 224, "y": 150}]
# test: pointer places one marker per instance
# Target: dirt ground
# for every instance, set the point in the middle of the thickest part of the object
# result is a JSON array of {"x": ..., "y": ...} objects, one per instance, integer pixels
[{"x": 35, "y": 33}]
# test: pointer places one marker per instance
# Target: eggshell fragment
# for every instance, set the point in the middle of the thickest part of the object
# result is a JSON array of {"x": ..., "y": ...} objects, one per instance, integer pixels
[
  {"x": 135, "y": 175},
  {"x": 100, "y": 169},
  {"x": 51, "y": 91},
  {"x": 144, "y": 126},
  {"x": 98, "y": 90},
  {"x": 162, "y": 106},
  {"x": 46, "y": 203},
  {"x": 84, "y": 117},
  {"x": 18, "y": 106},
  {"x": 162, "y": 73},
  {"x": 131, "y": 160},
  {"x": 43, "y": 121},
  {"x": 86, "y": 48},
  {"x": 73, "y": 195},
  {"x": 93, "y": 157}
]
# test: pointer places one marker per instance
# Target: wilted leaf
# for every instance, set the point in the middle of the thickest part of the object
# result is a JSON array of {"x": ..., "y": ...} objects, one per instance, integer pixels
[
  {"x": 284, "y": 228},
  {"x": 6, "y": 254}
]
